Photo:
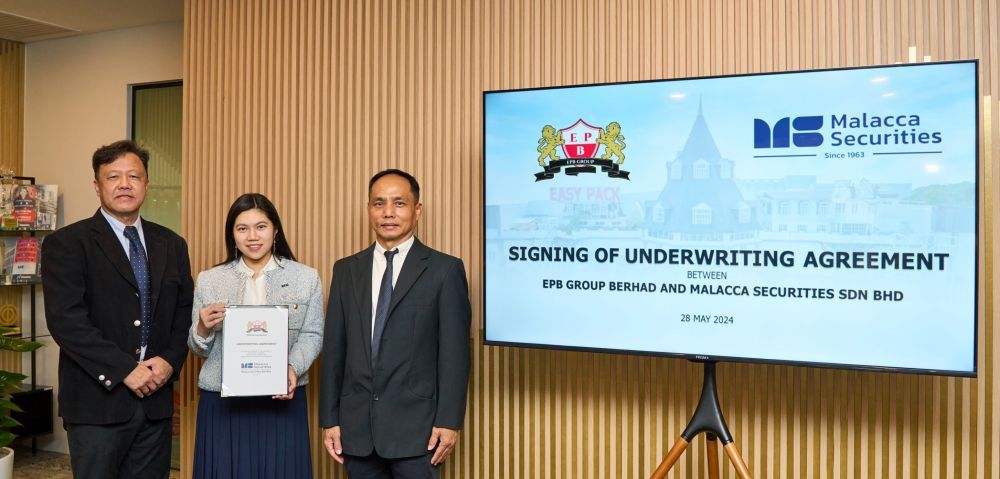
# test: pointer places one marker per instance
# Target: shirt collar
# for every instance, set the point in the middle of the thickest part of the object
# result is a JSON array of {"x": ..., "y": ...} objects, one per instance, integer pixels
[
  {"x": 403, "y": 247},
  {"x": 242, "y": 267},
  {"x": 119, "y": 227}
]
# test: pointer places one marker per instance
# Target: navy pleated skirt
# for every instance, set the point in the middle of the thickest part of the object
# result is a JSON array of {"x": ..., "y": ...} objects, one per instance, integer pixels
[{"x": 253, "y": 437}]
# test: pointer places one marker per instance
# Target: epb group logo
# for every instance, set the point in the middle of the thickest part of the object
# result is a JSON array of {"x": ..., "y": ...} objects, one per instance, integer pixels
[{"x": 799, "y": 131}]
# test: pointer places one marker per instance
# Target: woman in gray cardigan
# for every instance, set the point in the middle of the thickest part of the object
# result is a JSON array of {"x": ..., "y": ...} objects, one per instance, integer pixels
[{"x": 245, "y": 437}]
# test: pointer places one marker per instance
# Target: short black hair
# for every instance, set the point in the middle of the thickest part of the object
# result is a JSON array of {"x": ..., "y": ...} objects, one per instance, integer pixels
[
  {"x": 109, "y": 153},
  {"x": 249, "y": 201},
  {"x": 414, "y": 186}
]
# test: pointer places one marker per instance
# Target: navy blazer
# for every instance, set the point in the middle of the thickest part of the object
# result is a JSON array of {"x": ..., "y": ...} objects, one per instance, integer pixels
[
  {"x": 91, "y": 304},
  {"x": 421, "y": 380}
]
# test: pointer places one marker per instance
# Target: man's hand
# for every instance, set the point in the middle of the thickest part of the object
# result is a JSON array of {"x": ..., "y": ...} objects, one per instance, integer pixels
[
  {"x": 445, "y": 440},
  {"x": 292, "y": 382},
  {"x": 140, "y": 381},
  {"x": 331, "y": 440},
  {"x": 161, "y": 369}
]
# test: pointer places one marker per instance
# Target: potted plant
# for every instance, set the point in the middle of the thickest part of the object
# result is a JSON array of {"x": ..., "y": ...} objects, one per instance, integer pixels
[{"x": 10, "y": 382}]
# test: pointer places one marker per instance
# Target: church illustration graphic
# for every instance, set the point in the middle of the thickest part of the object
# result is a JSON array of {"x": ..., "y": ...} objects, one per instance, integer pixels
[{"x": 700, "y": 201}]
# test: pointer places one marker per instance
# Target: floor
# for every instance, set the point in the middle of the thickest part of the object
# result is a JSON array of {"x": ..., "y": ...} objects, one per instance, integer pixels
[
  {"x": 53, "y": 465},
  {"x": 41, "y": 465},
  {"x": 48, "y": 465}
]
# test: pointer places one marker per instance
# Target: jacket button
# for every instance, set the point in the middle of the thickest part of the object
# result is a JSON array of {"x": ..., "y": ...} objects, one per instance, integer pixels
[
  {"x": 107, "y": 383},
  {"x": 100, "y": 378},
  {"x": 137, "y": 323},
  {"x": 375, "y": 396}
]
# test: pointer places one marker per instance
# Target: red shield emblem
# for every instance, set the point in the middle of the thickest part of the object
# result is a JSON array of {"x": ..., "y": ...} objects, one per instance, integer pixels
[{"x": 580, "y": 140}]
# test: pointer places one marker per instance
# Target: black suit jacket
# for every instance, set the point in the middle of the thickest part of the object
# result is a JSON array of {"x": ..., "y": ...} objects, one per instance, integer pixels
[
  {"x": 91, "y": 304},
  {"x": 421, "y": 380}
]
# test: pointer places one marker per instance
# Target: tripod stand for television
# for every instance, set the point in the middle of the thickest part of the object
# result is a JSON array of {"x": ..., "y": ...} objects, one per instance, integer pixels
[{"x": 707, "y": 418}]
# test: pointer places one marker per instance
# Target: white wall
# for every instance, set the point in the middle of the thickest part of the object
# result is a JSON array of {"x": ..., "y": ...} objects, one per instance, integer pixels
[{"x": 75, "y": 100}]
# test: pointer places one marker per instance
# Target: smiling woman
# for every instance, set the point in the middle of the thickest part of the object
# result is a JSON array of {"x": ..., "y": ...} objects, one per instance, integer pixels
[
  {"x": 254, "y": 238},
  {"x": 259, "y": 269}
]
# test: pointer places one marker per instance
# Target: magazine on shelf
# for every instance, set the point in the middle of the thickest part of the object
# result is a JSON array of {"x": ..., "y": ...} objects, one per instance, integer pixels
[
  {"x": 33, "y": 207},
  {"x": 21, "y": 258}
]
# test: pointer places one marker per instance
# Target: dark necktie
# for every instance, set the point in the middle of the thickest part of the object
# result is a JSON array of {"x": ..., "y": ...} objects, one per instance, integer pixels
[
  {"x": 382, "y": 307},
  {"x": 140, "y": 267}
]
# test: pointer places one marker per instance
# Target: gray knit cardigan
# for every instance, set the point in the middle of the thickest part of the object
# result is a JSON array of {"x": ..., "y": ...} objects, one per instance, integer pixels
[{"x": 291, "y": 283}]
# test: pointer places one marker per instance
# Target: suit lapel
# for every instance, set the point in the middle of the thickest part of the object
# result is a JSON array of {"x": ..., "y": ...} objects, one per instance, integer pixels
[
  {"x": 156, "y": 254},
  {"x": 413, "y": 267},
  {"x": 112, "y": 248},
  {"x": 361, "y": 278}
]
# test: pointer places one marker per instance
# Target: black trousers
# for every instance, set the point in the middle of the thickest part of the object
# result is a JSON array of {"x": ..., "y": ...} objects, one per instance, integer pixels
[
  {"x": 376, "y": 467},
  {"x": 138, "y": 448}
]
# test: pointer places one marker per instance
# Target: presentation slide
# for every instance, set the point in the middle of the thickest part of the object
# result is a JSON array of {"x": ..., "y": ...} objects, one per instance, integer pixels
[{"x": 821, "y": 218}]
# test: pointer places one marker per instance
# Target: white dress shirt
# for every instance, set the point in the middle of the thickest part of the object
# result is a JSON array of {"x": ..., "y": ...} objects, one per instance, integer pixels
[
  {"x": 255, "y": 291},
  {"x": 378, "y": 269},
  {"x": 119, "y": 228}
]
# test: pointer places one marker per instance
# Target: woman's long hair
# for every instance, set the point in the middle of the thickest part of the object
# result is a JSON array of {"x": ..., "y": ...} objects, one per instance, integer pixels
[{"x": 249, "y": 201}]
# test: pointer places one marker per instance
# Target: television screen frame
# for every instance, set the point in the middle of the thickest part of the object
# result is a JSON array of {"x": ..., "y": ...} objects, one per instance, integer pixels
[{"x": 978, "y": 284}]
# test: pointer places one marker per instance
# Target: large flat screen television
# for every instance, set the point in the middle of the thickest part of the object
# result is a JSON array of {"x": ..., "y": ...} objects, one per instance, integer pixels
[{"x": 823, "y": 218}]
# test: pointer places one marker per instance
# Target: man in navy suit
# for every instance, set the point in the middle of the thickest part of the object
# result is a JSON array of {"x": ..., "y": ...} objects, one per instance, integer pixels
[
  {"x": 396, "y": 348},
  {"x": 118, "y": 294}
]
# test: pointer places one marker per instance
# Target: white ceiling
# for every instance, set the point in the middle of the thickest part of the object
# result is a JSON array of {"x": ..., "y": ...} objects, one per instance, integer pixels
[{"x": 33, "y": 20}]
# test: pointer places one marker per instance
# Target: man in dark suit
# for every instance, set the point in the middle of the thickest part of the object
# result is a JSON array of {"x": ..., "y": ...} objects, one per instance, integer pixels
[
  {"x": 396, "y": 349},
  {"x": 118, "y": 302}
]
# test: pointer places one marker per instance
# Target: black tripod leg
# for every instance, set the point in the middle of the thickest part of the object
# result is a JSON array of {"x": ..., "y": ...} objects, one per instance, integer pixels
[{"x": 707, "y": 418}]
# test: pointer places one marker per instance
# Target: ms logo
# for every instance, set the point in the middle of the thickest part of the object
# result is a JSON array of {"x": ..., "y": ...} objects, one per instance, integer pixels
[{"x": 764, "y": 136}]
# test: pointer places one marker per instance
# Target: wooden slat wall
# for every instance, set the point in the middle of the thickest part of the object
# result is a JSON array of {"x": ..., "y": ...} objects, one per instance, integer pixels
[
  {"x": 304, "y": 100},
  {"x": 11, "y": 105},
  {"x": 11, "y": 154}
]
